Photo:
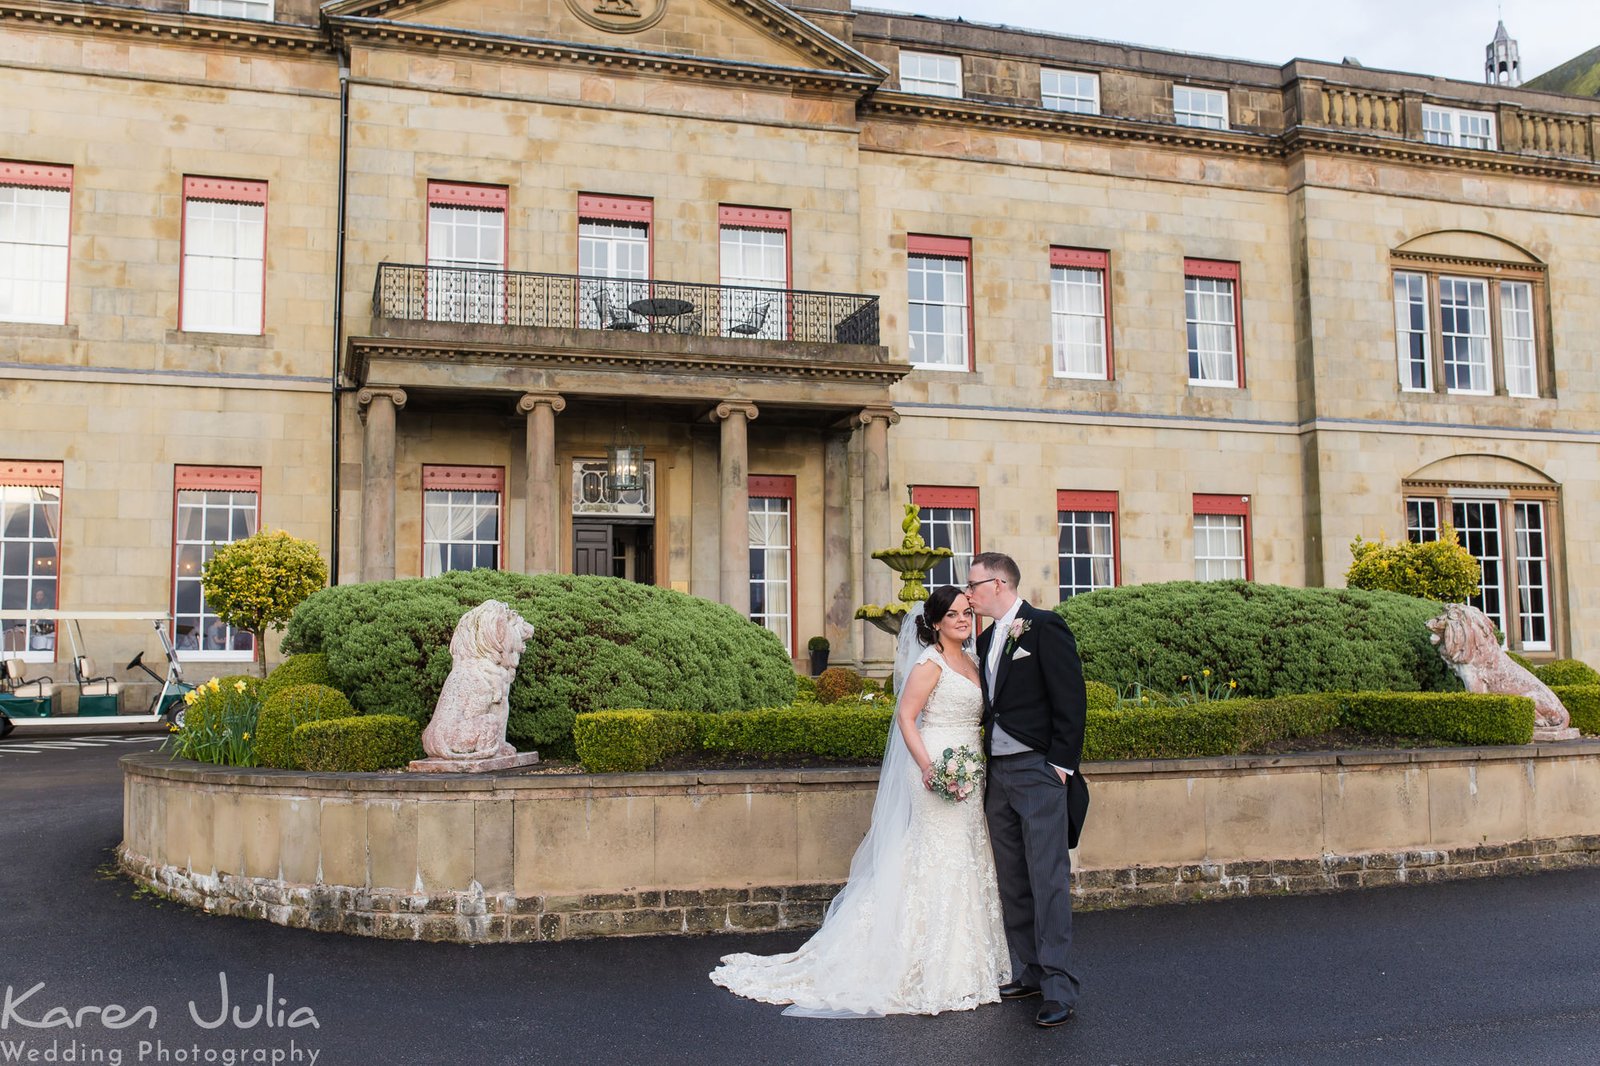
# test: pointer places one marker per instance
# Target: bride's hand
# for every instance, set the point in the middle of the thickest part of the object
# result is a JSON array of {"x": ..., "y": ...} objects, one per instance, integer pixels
[{"x": 927, "y": 777}]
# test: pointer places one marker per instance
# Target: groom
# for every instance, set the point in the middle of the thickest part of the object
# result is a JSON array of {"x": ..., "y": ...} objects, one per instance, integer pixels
[{"x": 1033, "y": 716}]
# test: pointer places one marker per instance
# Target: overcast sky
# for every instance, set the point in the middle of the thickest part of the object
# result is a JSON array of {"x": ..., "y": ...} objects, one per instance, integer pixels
[{"x": 1443, "y": 37}]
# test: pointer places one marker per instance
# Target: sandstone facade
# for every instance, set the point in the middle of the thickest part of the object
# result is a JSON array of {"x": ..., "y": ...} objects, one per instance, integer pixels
[{"x": 361, "y": 117}]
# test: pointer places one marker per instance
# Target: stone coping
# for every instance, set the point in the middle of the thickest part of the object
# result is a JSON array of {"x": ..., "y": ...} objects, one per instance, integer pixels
[{"x": 159, "y": 765}]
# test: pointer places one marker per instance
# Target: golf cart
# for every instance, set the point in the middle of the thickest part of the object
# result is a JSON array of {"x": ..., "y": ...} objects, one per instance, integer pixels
[{"x": 31, "y": 699}]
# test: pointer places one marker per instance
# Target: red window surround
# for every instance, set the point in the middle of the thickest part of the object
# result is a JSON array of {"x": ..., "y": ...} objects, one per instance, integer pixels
[
  {"x": 1222, "y": 270},
  {"x": 228, "y": 191},
  {"x": 220, "y": 478},
  {"x": 953, "y": 497},
  {"x": 466, "y": 479},
  {"x": 45, "y": 176},
  {"x": 1211, "y": 503},
  {"x": 227, "y": 478},
  {"x": 782, "y": 486},
  {"x": 616, "y": 208},
  {"x": 458, "y": 194},
  {"x": 1105, "y": 502},
  {"x": 31, "y": 473},
  {"x": 949, "y": 248},
  {"x": 774, "y": 218},
  {"x": 1089, "y": 259}
]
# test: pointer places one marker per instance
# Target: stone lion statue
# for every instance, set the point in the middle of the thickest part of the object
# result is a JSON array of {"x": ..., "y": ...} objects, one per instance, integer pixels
[
  {"x": 1465, "y": 639},
  {"x": 469, "y": 721}
]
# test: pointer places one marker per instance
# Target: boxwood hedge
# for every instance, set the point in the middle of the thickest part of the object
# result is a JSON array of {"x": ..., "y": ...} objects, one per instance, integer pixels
[
  {"x": 288, "y": 709},
  {"x": 366, "y": 744},
  {"x": 598, "y": 643},
  {"x": 1567, "y": 672},
  {"x": 1272, "y": 639},
  {"x": 1583, "y": 705}
]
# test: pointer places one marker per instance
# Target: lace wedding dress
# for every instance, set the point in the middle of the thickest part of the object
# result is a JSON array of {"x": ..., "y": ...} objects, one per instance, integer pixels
[{"x": 917, "y": 929}]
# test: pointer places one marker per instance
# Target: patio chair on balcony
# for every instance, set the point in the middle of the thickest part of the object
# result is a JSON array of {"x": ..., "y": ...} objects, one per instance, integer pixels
[
  {"x": 754, "y": 321},
  {"x": 610, "y": 315}
]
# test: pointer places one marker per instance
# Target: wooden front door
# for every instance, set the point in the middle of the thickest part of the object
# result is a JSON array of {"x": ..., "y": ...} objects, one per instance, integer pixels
[{"x": 591, "y": 548}]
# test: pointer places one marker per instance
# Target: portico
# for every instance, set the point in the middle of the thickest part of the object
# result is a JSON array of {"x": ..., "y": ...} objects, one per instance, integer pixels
[{"x": 542, "y": 404}]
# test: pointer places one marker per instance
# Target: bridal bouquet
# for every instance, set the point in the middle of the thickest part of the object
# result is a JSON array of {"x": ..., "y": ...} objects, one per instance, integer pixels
[{"x": 957, "y": 773}]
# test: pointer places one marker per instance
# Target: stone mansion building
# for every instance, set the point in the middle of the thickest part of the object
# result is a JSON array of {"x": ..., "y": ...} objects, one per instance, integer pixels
[{"x": 700, "y": 292}]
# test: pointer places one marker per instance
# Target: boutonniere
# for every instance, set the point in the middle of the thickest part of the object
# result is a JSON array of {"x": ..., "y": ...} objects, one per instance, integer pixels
[{"x": 1019, "y": 627}]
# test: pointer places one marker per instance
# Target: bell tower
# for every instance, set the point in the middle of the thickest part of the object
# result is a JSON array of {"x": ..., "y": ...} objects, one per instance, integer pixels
[{"x": 1502, "y": 65}]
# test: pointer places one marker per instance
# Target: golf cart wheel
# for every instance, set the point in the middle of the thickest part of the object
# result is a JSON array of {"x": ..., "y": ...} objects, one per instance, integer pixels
[
  {"x": 6, "y": 726},
  {"x": 177, "y": 713}
]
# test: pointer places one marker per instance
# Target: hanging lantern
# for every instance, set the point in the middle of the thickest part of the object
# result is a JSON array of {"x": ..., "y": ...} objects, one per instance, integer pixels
[{"x": 625, "y": 460}]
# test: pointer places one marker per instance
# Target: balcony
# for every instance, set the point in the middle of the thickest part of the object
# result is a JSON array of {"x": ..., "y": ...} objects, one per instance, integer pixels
[{"x": 475, "y": 297}]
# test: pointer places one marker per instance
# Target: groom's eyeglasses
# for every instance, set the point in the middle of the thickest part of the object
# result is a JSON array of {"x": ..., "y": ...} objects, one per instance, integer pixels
[{"x": 974, "y": 584}]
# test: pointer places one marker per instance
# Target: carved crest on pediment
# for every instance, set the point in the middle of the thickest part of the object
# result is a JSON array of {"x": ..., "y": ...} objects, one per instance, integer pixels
[{"x": 619, "y": 16}]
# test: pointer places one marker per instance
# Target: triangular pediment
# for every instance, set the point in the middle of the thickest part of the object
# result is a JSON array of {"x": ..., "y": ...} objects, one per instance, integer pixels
[{"x": 743, "y": 33}]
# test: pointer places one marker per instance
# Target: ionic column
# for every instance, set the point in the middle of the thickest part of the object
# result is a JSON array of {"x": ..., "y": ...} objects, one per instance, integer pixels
[
  {"x": 377, "y": 408},
  {"x": 539, "y": 554},
  {"x": 882, "y": 531},
  {"x": 733, "y": 479}
]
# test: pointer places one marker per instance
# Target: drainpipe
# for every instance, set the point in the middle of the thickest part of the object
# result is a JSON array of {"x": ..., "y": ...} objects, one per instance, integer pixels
[{"x": 338, "y": 314}]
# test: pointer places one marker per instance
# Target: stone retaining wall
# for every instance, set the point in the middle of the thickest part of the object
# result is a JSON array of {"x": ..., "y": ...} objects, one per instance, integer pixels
[{"x": 548, "y": 856}]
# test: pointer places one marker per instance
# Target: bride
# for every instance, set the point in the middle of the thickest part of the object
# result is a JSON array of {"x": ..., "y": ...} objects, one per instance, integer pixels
[{"x": 917, "y": 928}]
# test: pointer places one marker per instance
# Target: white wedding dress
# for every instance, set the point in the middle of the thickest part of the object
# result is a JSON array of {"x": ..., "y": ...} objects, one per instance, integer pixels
[{"x": 917, "y": 929}]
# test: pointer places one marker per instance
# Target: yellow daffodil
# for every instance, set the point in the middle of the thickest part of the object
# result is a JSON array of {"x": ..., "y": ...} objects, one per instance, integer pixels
[
  {"x": 239, "y": 686},
  {"x": 214, "y": 685},
  {"x": 1206, "y": 672},
  {"x": 1233, "y": 684},
  {"x": 247, "y": 736}
]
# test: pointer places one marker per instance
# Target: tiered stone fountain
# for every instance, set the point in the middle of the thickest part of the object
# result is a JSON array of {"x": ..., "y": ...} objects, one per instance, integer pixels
[{"x": 911, "y": 560}]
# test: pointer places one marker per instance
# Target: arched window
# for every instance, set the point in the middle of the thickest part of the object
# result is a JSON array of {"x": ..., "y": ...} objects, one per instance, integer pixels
[{"x": 1471, "y": 317}]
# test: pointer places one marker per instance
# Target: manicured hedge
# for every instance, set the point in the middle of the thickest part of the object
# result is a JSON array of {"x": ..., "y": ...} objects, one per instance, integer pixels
[
  {"x": 1459, "y": 717},
  {"x": 366, "y": 744},
  {"x": 1567, "y": 672},
  {"x": 1583, "y": 705},
  {"x": 1272, "y": 639},
  {"x": 633, "y": 740},
  {"x": 1219, "y": 727},
  {"x": 598, "y": 642},
  {"x": 288, "y": 709},
  {"x": 839, "y": 731},
  {"x": 307, "y": 669},
  {"x": 1102, "y": 697}
]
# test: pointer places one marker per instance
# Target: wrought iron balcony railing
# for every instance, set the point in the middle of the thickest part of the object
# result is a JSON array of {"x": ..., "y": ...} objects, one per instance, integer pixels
[{"x": 510, "y": 298}]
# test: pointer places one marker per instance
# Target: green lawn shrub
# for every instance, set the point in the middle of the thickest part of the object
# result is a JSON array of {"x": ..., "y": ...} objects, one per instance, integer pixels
[
  {"x": 1274, "y": 640},
  {"x": 365, "y": 744},
  {"x": 310, "y": 668},
  {"x": 1440, "y": 569},
  {"x": 598, "y": 642},
  {"x": 837, "y": 683},
  {"x": 805, "y": 689},
  {"x": 1583, "y": 705},
  {"x": 1567, "y": 672},
  {"x": 1524, "y": 662},
  {"x": 1458, "y": 717},
  {"x": 288, "y": 709}
]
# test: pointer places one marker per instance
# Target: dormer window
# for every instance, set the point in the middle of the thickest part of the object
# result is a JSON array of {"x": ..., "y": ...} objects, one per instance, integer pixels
[
  {"x": 261, "y": 10},
  {"x": 1068, "y": 90},
  {"x": 935, "y": 75},
  {"x": 1202, "y": 108},
  {"x": 1458, "y": 128}
]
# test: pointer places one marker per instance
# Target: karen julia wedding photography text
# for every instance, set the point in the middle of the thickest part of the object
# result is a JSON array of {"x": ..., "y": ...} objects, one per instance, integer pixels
[{"x": 234, "y": 1030}]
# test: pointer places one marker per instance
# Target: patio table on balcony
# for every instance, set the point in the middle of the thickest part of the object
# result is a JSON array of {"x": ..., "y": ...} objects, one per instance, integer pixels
[{"x": 662, "y": 307}]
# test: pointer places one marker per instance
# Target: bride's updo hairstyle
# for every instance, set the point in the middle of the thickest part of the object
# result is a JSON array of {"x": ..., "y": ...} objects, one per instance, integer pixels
[{"x": 933, "y": 611}]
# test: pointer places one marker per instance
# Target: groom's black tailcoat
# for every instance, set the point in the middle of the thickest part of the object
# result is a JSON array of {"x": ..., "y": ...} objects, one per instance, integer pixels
[{"x": 1039, "y": 699}]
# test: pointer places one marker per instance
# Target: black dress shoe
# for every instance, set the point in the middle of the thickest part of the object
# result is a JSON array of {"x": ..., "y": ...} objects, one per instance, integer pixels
[
  {"x": 1017, "y": 990},
  {"x": 1052, "y": 1014}
]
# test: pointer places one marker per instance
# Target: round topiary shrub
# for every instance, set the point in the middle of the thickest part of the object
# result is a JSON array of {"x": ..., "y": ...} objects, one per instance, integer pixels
[
  {"x": 308, "y": 669},
  {"x": 1273, "y": 640},
  {"x": 1567, "y": 672},
  {"x": 291, "y": 707},
  {"x": 360, "y": 745},
  {"x": 598, "y": 643},
  {"x": 837, "y": 683}
]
